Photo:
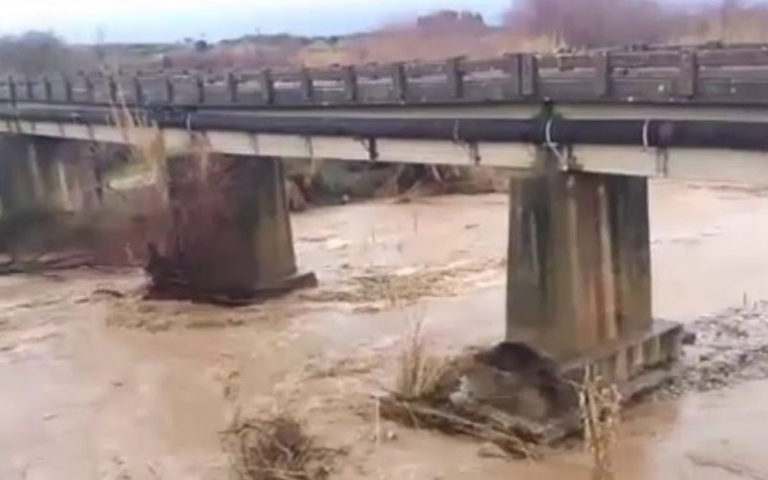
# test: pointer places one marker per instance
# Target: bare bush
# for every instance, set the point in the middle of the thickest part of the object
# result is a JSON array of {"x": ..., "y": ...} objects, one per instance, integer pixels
[
  {"x": 419, "y": 372},
  {"x": 33, "y": 53},
  {"x": 602, "y": 23},
  {"x": 591, "y": 23},
  {"x": 275, "y": 448}
]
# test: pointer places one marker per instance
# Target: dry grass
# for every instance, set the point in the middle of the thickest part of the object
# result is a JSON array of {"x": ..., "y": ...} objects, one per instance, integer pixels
[
  {"x": 397, "y": 289},
  {"x": 275, "y": 448},
  {"x": 392, "y": 289},
  {"x": 419, "y": 371},
  {"x": 600, "y": 404},
  {"x": 144, "y": 139}
]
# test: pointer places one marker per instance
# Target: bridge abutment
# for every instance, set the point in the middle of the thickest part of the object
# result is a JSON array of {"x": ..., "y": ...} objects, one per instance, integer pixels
[
  {"x": 230, "y": 234},
  {"x": 579, "y": 271}
]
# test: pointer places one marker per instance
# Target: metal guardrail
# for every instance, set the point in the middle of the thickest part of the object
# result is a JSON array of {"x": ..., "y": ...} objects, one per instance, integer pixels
[{"x": 731, "y": 76}]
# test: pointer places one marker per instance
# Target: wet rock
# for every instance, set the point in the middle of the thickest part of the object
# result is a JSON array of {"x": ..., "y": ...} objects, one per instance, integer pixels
[
  {"x": 491, "y": 450},
  {"x": 518, "y": 379},
  {"x": 295, "y": 197},
  {"x": 689, "y": 338}
]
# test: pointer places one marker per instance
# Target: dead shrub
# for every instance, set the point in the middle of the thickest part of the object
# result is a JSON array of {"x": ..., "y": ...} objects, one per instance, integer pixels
[
  {"x": 419, "y": 371},
  {"x": 144, "y": 139},
  {"x": 600, "y": 404},
  {"x": 274, "y": 448}
]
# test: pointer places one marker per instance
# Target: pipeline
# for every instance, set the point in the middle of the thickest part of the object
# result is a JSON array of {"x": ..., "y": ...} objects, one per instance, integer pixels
[{"x": 740, "y": 135}]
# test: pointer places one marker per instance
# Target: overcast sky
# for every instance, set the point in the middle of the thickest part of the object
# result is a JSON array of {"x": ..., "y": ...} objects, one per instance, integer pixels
[{"x": 169, "y": 20}]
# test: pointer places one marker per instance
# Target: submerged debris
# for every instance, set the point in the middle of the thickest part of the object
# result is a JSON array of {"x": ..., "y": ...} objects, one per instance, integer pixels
[
  {"x": 509, "y": 395},
  {"x": 404, "y": 287},
  {"x": 45, "y": 262},
  {"x": 722, "y": 349}
]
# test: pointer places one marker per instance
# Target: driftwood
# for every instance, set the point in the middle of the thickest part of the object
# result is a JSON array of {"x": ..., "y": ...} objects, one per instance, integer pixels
[{"x": 418, "y": 414}]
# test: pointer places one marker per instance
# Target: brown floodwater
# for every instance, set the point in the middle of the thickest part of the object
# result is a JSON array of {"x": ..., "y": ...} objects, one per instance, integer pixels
[{"x": 96, "y": 387}]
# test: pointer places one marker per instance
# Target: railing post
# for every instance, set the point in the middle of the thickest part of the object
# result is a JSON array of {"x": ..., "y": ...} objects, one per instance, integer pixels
[
  {"x": 12, "y": 90},
  {"x": 30, "y": 88},
  {"x": 113, "y": 93},
  {"x": 529, "y": 75},
  {"x": 350, "y": 83},
  {"x": 138, "y": 90},
  {"x": 48, "y": 88},
  {"x": 90, "y": 94},
  {"x": 512, "y": 67},
  {"x": 68, "y": 94},
  {"x": 232, "y": 87},
  {"x": 603, "y": 70},
  {"x": 455, "y": 78},
  {"x": 400, "y": 82},
  {"x": 687, "y": 81},
  {"x": 170, "y": 91},
  {"x": 200, "y": 82},
  {"x": 307, "y": 85},
  {"x": 267, "y": 87}
]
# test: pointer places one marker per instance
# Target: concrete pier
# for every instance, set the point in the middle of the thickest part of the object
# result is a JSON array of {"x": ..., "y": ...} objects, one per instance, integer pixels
[
  {"x": 46, "y": 174},
  {"x": 579, "y": 277},
  {"x": 230, "y": 232}
]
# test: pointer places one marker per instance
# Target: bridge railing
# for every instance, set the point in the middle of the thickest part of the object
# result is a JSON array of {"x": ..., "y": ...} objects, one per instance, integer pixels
[{"x": 722, "y": 76}]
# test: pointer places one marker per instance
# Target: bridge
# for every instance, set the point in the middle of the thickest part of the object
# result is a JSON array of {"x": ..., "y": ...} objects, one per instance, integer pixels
[{"x": 581, "y": 132}]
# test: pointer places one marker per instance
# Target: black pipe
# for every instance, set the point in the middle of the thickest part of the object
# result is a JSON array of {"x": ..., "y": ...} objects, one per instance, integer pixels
[{"x": 649, "y": 133}]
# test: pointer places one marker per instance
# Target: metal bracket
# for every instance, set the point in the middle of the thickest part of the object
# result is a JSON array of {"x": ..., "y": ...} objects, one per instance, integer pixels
[
  {"x": 563, "y": 161},
  {"x": 473, "y": 153},
  {"x": 309, "y": 146},
  {"x": 662, "y": 162},
  {"x": 369, "y": 145},
  {"x": 254, "y": 140}
]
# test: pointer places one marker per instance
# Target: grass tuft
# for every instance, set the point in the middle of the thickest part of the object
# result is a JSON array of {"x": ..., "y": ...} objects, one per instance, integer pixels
[
  {"x": 274, "y": 448},
  {"x": 419, "y": 371}
]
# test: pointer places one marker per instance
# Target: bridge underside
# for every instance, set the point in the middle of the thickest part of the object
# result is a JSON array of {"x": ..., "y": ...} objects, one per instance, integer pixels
[
  {"x": 579, "y": 266},
  {"x": 707, "y": 163}
]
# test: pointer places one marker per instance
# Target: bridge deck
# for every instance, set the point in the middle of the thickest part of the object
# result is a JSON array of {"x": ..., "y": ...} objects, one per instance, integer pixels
[{"x": 692, "y": 113}]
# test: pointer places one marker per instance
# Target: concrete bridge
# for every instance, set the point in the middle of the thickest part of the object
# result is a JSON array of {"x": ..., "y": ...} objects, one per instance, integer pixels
[{"x": 581, "y": 132}]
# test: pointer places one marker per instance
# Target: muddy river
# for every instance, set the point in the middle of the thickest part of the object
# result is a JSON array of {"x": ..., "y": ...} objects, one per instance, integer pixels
[{"x": 95, "y": 384}]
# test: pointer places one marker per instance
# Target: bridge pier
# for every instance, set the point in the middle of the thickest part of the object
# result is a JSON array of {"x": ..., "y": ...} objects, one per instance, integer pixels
[
  {"x": 45, "y": 174},
  {"x": 579, "y": 272},
  {"x": 230, "y": 234}
]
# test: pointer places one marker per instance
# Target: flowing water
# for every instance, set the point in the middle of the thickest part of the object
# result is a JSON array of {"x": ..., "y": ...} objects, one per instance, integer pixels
[{"x": 95, "y": 384}]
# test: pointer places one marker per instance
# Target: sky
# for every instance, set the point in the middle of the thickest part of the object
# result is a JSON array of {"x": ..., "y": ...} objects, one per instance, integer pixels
[{"x": 79, "y": 21}]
